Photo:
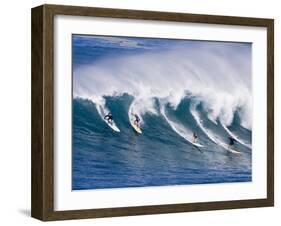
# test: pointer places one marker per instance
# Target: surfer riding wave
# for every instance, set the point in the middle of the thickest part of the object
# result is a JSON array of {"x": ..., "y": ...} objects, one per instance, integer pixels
[
  {"x": 231, "y": 143},
  {"x": 137, "y": 120},
  {"x": 109, "y": 118}
]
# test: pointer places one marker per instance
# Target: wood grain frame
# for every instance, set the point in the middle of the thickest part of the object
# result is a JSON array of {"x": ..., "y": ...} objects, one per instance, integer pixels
[{"x": 42, "y": 203}]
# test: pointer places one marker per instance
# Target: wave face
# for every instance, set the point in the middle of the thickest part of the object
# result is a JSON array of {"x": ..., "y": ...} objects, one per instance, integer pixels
[
  {"x": 203, "y": 87},
  {"x": 160, "y": 155}
]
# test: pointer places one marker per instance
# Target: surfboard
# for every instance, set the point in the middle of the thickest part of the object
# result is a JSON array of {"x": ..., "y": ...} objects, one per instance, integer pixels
[
  {"x": 111, "y": 124},
  {"x": 234, "y": 151},
  {"x": 136, "y": 128},
  {"x": 198, "y": 145}
]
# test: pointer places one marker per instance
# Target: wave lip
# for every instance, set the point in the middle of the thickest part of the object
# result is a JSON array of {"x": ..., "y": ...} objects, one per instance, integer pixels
[{"x": 179, "y": 129}]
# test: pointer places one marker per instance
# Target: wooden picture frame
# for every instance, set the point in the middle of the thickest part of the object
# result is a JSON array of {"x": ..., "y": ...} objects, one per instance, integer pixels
[{"x": 43, "y": 112}]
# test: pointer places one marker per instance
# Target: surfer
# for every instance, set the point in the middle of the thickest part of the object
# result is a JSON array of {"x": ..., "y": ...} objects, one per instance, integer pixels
[
  {"x": 195, "y": 137},
  {"x": 109, "y": 118},
  {"x": 137, "y": 120},
  {"x": 231, "y": 142}
]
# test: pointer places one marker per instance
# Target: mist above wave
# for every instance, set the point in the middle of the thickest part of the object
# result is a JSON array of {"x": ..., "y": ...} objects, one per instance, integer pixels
[{"x": 217, "y": 75}]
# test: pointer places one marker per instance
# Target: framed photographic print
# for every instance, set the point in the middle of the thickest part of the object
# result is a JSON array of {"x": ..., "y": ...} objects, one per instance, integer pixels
[{"x": 141, "y": 112}]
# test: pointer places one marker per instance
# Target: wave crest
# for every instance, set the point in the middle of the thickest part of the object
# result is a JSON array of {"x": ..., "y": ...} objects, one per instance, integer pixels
[{"x": 221, "y": 81}]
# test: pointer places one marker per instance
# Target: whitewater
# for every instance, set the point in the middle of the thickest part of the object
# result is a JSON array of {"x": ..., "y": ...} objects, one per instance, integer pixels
[{"x": 176, "y": 92}]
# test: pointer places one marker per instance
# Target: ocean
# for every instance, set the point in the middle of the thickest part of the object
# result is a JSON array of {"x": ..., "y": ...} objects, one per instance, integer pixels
[{"x": 185, "y": 88}]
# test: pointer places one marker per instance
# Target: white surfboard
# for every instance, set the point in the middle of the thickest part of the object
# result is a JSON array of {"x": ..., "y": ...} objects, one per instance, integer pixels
[
  {"x": 198, "y": 145},
  {"x": 234, "y": 151},
  {"x": 136, "y": 128},
  {"x": 111, "y": 124}
]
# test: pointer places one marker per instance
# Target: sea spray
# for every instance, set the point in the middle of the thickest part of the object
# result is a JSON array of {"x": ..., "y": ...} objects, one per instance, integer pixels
[{"x": 206, "y": 74}]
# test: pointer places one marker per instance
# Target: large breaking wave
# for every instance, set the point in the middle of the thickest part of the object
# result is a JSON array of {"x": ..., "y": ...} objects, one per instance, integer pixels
[
  {"x": 177, "y": 92},
  {"x": 161, "y": 155},
  {"x": 218, "y": 80}
]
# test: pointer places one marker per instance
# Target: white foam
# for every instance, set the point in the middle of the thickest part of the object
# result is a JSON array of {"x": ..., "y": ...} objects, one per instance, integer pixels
[{"x": 219, "y": 74}]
